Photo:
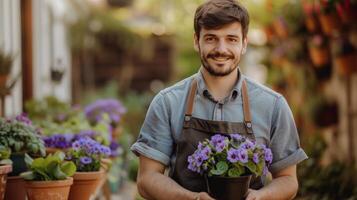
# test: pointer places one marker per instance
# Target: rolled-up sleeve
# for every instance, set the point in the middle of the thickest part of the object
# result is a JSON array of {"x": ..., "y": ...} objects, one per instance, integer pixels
[
  {"x": 284, "y": 140},
  {"x": 155, "y": 140}
]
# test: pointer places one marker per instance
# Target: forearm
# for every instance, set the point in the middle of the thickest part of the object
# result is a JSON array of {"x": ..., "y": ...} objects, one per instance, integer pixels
[
  {"x": 281, "y": 188},
  {"x": 156, "y": 186}
]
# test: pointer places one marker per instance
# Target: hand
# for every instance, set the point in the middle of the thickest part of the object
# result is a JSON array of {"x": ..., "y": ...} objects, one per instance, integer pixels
[
  {"x": 254, "y": 195},
  {"x": 203, "y": 196}
]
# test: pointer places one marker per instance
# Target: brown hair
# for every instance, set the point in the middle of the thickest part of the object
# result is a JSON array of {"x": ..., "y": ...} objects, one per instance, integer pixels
[{"x": 217, "y": 13}]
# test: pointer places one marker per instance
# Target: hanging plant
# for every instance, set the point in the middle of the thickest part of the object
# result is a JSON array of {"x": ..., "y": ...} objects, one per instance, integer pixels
[
  {"x": 319, "y": 51},
  {"x": 5, "y": 67},
  {"x": 344, "y": 56}
]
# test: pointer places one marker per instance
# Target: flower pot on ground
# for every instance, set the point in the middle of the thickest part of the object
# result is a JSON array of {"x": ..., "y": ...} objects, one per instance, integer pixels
[
  {"x": 87, "y": 154},
  {"x": 48, "y": 178},
  {"x": 228, "y": 187},
  {"x": 345, "y": 56},
  {"x": 228, "y": 162},
  {"x": 319, "y": 51},
  {"x": 15, "y": 188},
  {"x": 85, "y": 184},
  {"x": 19, "y": 136}
]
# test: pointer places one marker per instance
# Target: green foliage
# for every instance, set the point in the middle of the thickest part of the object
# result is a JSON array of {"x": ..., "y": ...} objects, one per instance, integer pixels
[
  {"x": 5, "y": 153},
  {"x": 20, "y": 137},
  {"x": 335, "y": 181},
  {"x": 49, "y": 168},
  {"x": 53, "y": 167},
  {"x": 5, "y": 63},
  {"x": 220, "y": 169}
]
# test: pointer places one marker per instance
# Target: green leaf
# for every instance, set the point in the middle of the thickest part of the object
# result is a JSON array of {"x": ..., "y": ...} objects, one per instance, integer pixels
[
  {"x": 28, "y": 175},
  {"x": 58, "y": 173},
  {"x": 69, "y": 168},
  {"x": 38, "y": 163},
  {"x": 5, "y": 162},
  {"x": 260, "y": 167},
  {"x": 42, "y": 175},
  {"x": 252, "y": 167},
  {"x": 28, "y": 160},
  {"x": 60, "y": 155},
  {"x": 221, "y": 168},
  {"x": 234, "y": 172}
]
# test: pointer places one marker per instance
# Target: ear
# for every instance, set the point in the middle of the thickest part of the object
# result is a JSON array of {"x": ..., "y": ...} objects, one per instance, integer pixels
[
  {"x": 245, "y": 43},
  {"x": 195, "y": 42}
]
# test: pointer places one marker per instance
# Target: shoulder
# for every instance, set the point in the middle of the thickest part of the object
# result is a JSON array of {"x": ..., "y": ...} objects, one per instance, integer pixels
[
  {"x": 178, "y": 90},
  {"x": 258, "y": 88}
]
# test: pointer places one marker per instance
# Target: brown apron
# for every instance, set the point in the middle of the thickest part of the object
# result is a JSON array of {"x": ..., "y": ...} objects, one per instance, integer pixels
[{"x": 196, "y": 130}]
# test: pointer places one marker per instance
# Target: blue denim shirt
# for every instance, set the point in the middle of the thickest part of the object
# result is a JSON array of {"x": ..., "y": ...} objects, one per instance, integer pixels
[{"x": 272, "y": 120}]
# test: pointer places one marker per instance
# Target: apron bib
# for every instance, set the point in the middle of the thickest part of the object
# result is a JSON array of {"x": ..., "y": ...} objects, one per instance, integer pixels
[{"x": 196, "y": 130}]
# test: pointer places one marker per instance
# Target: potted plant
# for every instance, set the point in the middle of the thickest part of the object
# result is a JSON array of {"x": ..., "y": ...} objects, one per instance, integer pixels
[
  {"x": 228, "y": 162},
  {"x": 106, "y": 108},
  {"x": 328, "y": 17},
  {"x": 5, "y": 67},
  {"x": 5, "y": 168},
  {"x": 20, "y": 137},
  {"x": 319, "y": 51},
  {"x": 87, "y": 154},
  {"x": 344, "y": 56},
  {"x": 48, "y": 178}
]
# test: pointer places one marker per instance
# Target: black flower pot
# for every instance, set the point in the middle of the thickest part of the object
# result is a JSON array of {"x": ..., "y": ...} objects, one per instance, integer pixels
[{"x": 227, "y": 188}]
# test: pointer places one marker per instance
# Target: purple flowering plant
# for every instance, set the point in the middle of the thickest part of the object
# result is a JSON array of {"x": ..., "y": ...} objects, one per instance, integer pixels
[
  {"x": 87, "y": 154},
  {"x": 113, "y": 108},
  {"x": 230, "y": 156}
]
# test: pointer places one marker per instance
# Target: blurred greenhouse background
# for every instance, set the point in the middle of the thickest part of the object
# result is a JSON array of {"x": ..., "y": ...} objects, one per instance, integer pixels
[{"x": 58, "y": 58}]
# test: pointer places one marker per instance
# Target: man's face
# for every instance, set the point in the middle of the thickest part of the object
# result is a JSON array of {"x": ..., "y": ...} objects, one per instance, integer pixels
[{"x": 220, "y": 49}]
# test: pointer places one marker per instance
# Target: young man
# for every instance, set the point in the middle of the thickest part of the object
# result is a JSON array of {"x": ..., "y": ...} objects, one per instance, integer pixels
[{"x": 218, "y": 99}]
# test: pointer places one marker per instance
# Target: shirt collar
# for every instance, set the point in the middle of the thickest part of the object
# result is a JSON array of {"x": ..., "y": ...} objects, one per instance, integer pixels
[{"x": 203, "y": 90}]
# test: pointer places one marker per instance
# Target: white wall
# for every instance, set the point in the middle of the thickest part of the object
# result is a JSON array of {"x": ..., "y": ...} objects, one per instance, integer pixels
[
  {"x": 10, "y": 41},
  {"x": 50, "y": 44}
]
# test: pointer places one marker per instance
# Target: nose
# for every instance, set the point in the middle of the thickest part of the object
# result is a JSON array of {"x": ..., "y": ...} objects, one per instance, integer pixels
[{"x": 221, "y": 46}]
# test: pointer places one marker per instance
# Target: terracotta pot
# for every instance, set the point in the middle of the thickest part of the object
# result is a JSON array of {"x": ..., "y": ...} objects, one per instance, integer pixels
[
  {"x": 4, "y": 170},
  {"x": 329, "y": 23},
  {"x": 226, "y": 188},
  {"x": 311, "y": 23},
  {"x": 48, "y": 190},
  {"x": 85, "y": 184},
  {"x": 346, "y": 64},
  {"x": 319, "y": 56},
  {"x": 15, "y": 188}
]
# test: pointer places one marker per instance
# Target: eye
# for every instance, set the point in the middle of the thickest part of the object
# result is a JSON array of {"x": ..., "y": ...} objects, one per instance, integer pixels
[
  {"x": 210, "y": 39},
  {"x": 233, "y": 40}
]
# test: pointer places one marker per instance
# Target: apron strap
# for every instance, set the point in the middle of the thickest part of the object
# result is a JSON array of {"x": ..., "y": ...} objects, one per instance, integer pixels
[
  {"x": 245, "y": 99},
  {"x": 246, "y": 108},
  {"x": 191, "y": 99}
]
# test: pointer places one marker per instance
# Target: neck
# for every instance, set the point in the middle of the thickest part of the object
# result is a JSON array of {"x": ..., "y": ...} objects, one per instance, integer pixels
[{"x": 220, "y": 86}]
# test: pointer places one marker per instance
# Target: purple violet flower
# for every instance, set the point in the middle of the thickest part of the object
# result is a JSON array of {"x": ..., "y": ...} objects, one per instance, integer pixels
[
  {"x": 233, "y": 155},
  {"x": 85, "y": 160},
  {"x": 243, "y": 155},
  {"x": 255, "y": 158},
  {"x": 24, "y": 119}
]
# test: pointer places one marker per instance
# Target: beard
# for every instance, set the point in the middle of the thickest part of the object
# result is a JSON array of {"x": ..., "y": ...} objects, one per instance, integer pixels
[{"x": 216, "y": 71}]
